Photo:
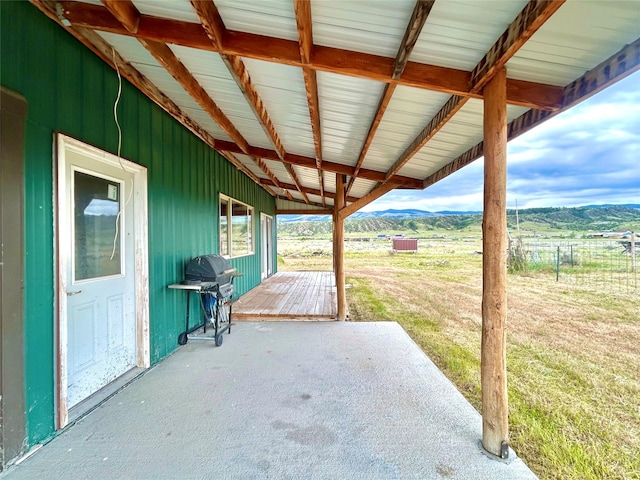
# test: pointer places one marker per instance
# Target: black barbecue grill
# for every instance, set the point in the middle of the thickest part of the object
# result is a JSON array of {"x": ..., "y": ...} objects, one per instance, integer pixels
[{"x": 212, "y": 277}]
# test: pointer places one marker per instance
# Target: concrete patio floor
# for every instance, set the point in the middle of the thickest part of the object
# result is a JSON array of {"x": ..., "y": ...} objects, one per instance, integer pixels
[{"x": 290, "y": 400}]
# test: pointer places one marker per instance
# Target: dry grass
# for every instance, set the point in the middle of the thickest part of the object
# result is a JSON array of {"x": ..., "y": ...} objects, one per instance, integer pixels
[{"x": 573, "y": 353}]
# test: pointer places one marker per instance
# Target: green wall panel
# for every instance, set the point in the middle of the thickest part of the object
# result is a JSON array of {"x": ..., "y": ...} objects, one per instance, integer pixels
[{"x": 70, "y": 90}]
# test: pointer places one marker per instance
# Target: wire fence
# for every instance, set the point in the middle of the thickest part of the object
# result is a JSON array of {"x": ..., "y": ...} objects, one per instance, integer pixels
[{"x": 602, "y": 264}]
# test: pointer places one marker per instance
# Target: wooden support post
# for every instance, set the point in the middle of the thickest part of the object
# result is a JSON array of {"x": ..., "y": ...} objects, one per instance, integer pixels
[
  {"x": 495, "y": 424},
  {"x": 338, "y": 246}
]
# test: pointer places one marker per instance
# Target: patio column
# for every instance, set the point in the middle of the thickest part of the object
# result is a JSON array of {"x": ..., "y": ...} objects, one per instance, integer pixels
[
  {"x": 495, "y": 424},
  {"x": 338, "y": 247}
]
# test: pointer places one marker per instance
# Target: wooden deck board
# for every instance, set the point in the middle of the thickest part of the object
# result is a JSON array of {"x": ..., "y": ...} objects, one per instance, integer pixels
[{"x": 290, "y": 295}]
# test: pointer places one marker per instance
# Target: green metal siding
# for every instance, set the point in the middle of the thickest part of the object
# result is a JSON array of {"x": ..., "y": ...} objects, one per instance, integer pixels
[{"x": 68, "y": 89}]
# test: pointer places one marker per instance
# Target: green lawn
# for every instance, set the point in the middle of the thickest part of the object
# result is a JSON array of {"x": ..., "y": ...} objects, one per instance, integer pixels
[{"x": 573, "y": 354}]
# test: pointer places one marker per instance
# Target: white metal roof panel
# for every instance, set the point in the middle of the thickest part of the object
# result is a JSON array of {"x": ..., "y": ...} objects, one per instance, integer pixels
[
  {"x": 133, "y": 52},
  {"x": 214, "y": 77},
  {"x": 460, "y": 134},
  {"x": 251, "y": 165},
  {"x": 273, "y": 18},
  {"x": 279, "y": 170},
  {"x": 374, "y": 26},
  {"x": 576, "y": 38},
  {"x": 407, "y": 114},
  {"x": 308, "y": 177},
  {"x": 174, "y": 9},
  {"x": 458, "y": 34},
  {"x": 347, "y": 108},
  {"x": 281, "y": 88},
  {"x": 361, "y": 187}
]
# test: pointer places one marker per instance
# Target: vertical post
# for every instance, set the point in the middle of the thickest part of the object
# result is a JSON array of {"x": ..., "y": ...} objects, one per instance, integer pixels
[
  {"x": 495, "y": 422},
  {"x": 338, "y": 247},
  {"x": 632, "y": 249},
  {"x": 558, "y": 264}
]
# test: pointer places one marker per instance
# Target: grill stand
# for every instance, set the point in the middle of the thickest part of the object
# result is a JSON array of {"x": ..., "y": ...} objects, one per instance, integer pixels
[{"x": 217, "y": 317}]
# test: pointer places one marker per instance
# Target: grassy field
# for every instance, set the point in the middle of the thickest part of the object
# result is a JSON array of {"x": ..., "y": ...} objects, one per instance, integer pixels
[{"x": 573, "y": 353}]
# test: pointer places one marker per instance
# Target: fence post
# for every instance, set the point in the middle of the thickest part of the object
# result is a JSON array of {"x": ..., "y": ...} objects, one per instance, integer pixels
[
  {"x": 558, "y": 264},
  {"x": 633, "y": 251},
  {"x": 571, "y": 246}
]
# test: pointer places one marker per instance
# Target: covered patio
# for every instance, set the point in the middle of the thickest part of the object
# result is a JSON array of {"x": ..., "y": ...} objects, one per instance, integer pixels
[{"x": 281, "y": 400}]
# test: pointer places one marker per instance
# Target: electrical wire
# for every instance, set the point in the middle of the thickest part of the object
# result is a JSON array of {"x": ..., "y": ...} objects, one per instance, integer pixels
[{"x": 115, "y": 117}]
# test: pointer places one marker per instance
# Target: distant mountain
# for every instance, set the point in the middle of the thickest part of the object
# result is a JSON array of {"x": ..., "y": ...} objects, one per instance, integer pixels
[
  {"x": 415, "y": 213},
  {"x": 593, "y": 218},
  {"x": 404, "y": 213}
]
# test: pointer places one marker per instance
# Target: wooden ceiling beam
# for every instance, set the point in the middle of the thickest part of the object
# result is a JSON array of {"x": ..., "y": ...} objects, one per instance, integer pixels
[
  {"x": 307, "y": 190},
  {"x": 165, "y": 56},
  {"x": 214, "y": 26},
  {"x": 526, "y": 23},
  {"x": 302, "y": 10},
  {"x": 297, "y": 186},
  {"x": 309, "y": 162},
  {"x": 263, "y": 166},
  {"x": 366, "y": 200},
  {"x": 615, "y": 68},
  {"x": 418, "y": 18},
  {"x": 104, "y": 51},
  {"x": 125, "y": 12},
  {"x": 328, "y": 59},
  {"x": 411, "y": 34}
]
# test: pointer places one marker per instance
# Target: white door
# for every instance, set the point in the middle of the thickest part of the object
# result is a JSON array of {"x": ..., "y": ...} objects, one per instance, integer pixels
[
  {"x": 100, "y": 275},
  {"x": 266, "y": 235}
]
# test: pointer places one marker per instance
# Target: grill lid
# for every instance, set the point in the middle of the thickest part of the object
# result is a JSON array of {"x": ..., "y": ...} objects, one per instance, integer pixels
[{"x": 209, "y": 268}]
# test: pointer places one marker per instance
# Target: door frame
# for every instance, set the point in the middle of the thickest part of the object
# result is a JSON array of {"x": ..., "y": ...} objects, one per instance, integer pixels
[
  {"x": 264, "y": 249},
  {"x": 64, "y": 143}
]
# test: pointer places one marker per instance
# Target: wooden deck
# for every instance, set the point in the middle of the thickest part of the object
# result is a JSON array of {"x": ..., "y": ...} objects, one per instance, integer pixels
[{"x": 290, "y": 296}]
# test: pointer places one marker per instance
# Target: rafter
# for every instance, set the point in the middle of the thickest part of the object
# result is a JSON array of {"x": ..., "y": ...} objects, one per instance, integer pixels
[
  {"x": 615, "y": 68},
  {"x": 329, "y": 59},
  {"x": 214, "y": 26},
  {"x": 309, "y": 162},
  {"x": 528, "y": 21},
  {"x": 305, "y": 39},
  {"x": 297, "y": 185},
  {"x": 418, "y": 18},
  {"x": 411, "y": 34},
  {"x": 263, "y": 166},
  {"x": 105, "y": 52},
  {"x": 307, "y": 190},
  {"x": 126, "y": 13},
  {"x": 165, "y": 56}
]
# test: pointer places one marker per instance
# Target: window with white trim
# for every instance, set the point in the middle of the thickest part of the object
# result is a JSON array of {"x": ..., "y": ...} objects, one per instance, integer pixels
[{"x": 236, "y": 228}]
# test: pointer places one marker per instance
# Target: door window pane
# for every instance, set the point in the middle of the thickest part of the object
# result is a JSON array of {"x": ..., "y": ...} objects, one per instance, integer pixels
[{"x": 96, "y": 207}]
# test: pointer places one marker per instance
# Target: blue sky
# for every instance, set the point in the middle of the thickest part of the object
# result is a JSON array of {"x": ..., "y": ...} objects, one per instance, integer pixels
[{"x": 589, "y": 154}]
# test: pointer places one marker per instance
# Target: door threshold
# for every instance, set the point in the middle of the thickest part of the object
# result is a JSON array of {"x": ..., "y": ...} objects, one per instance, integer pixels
[{"x": 96, "y": 399}]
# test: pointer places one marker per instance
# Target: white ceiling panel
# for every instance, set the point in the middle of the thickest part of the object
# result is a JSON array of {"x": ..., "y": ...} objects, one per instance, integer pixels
[
  {"x": 347, "y": 108},
  {"x": 273, "y": 18},
  {"x": 457, "y": 34},
  {"x": 579, "y": 36},
  {"x": 282, "y": 90},
  {"x": 214, "y": 77},
  {"x": 374, "y": 26}
]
